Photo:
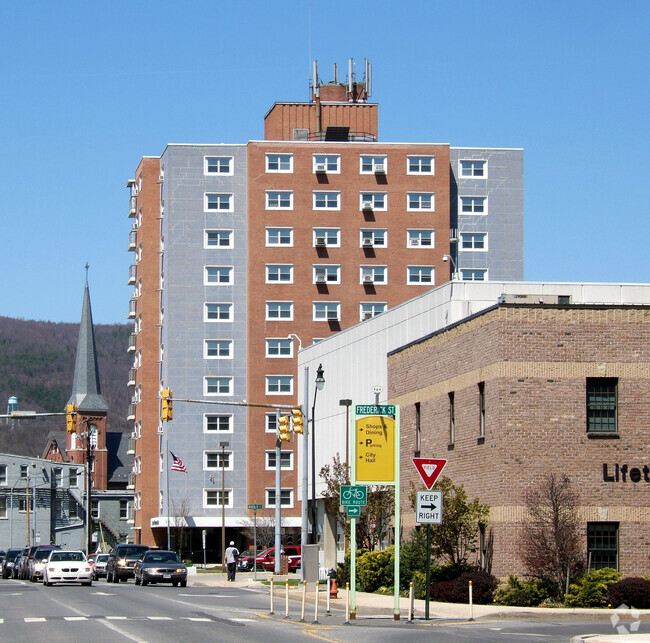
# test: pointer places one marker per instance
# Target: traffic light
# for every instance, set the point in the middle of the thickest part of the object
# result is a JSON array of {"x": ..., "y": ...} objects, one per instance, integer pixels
[
  {"x": 298, "y": 420},
  {"x": 283, "y": 427},
  {"x": 71, "y": 418},
  {"x": 167, "y": 404}
]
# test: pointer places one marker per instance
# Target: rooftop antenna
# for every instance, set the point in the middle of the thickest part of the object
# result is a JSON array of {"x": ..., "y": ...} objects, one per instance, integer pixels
[
  {"x": 316, "y": 89},
  {"x": 350, "y": 76},
  {"x": 336, "y": 73},
  {"x": 368, "y": 77}
]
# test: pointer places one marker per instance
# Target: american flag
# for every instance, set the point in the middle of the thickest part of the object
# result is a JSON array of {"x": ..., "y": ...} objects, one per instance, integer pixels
[{"x": 177, "y": 465}]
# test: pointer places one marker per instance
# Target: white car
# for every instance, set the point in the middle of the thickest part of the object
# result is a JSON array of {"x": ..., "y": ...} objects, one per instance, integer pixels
[{"x": 67, "y": 567}]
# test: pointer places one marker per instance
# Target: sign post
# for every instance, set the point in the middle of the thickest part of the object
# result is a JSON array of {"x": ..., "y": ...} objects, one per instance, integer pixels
[{"x": 255, "y": 508}]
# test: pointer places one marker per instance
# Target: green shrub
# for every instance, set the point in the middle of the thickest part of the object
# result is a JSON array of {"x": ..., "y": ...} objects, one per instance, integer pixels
[
  {"x": 457, "y": 591},
  {"x": 419, "y": 585},
  {"x": 376, "y": 569},
  {"x": 343, "y": 572},
  {"x": 633, "y": 592},
  {"x": 522, "y": 593},
  {"x": 590, "y": 590}
]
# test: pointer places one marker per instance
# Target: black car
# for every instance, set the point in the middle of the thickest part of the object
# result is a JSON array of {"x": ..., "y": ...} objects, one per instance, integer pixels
[
  {"x": 122, "y": 561},
  {"x": 8, "y": 563},
  {"x": 158, "y": 566}
]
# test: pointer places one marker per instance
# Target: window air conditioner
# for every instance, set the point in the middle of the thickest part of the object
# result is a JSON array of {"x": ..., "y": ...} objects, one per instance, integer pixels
[
  {"x": 378, "y": 168},
  {"x": 367, "y": 243},
  {"x": 367, "y": 205},
  {"x": 367, "y": 316},
  {"x": 161, "y": 178},
  {"x": 368, "y": 279},
  {"x": 321, "y": 279},
  {"x": 320, "y": 241},
  {"x": 415, "y": 242},
  {"x": 321, "y": 167}
]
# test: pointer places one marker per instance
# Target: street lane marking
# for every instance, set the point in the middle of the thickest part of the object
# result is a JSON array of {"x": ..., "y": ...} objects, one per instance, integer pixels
[
  {"x": 75, "y": 618},
  {"x": 38, "y": 619},
  {"x": 196, "y": 619},
  {"x": 161, "y": 618},
  {"x": 116, "y": 618}
]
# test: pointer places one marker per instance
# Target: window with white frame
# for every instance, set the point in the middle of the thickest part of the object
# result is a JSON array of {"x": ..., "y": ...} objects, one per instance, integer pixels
[
  {"x": 279, "y": 310},
  {"x": 473, "y": 204},
  {"x": 330, "y": 163},
  {"x": 279, "y": 347},
  {"x": 327, "y": 200},
  {"x": 279, "y": 162},
  {"x": 279, "y": 200},
  {"x": 3, "y": 475},
  {"x": 279, "y": 384},
  {"x": 218, "y": 311},
  {"x": 222, "y": 202},
  {"x": 286, "y": 460},
  {"x": 218, "y": 238},
  {"x": 215, "y": 460},
  {"x": 279, "y": 273},
  {"x": 3, "y": 506},
  {"x": 373, "y": 274},
  {"x": 124, "y": 509},
  {"x": 473, "y": 240},
  {"x": 473, "y": 168},
  {"x": 473, "y": 274},
  {"x": 270, "y": 423},
  {"x": 218, "y": 275},
  {"x": 373, "y": 201},
  {"x": 24, "y": 468},
  {"x": 420, "y": 238},
  {"x": 373, "y": 164},
  {"x": 73, "y": 477},
  {"x": 368, "y": 309},
  {"x": 220, "y": 422},
  {"x": 218, "y": 165},
  {"x": 217, "y": 349},
  {"x": 217, "y": 385},
  {"x": 420, "y": 275},
  {"x": 420, "y": 164},
  {"x": 217, "y": 498},
  {"x": 286, "y": 498},
  {"x": 423, "y": 201},
  {"x": 324, "y": 237},
  {"x": 57, "y": 476},
  {"x": 373, "y": 237},
  {"x": 326, "y": 274},
  {"x": 279, "y": 236},
  {"x": 326, "y": 310}
]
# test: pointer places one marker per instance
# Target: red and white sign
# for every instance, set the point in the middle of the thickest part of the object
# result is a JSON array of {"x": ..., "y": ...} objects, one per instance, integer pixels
[{"x": 429, "y": 469}]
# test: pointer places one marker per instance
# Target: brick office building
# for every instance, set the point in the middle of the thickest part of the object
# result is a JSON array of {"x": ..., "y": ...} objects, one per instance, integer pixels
[{"x": 522, "y": 390}]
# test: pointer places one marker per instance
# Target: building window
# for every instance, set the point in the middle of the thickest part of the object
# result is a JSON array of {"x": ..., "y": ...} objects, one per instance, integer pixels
[
  {"x": 57, "y": 477},
  {"x": 373, "y": 201},
  {"x": 473, "y": 240},
  {"x": 218, "y": 165},
  {"x": 73, "y": 477},
  {"x": 602, "y": 404},
  {"x": 215, "y": 498},
  {"x": 481, "y": 409},
  {"x": 124, "y": 509},
  {"x": 326, "y": 274},
  {"x": 326, "y": 311},
  {"x": 473, "y": 204},
  {"x": 418, "y": 428},
  {"x": 420, "y": 165},
  {"x": 473, "y": 169},
  {"x": 222, "y": 202},
  {"x": 218, "y": 238},
  {"x": 473, "y": 274},
  {"x": 452, "y": 417},
  {"x": 286, "y": 498},
  {"x": 73, "y": 509},
  {"x": 213, "y": 385},
  {"x": 371, "y": 309},
  {"x": 330, "y": 163},
  {"x": 286, "y": 460},
  {"x": 373, "y": 238},
  {"x": 219, "y": 275},
  {"x": 420, "y": 201},
  {"x": 373, "y": 164},
  {"x": 279, "y": 236},
  {"x": 279, "y": 347},
  {"x": 23, "y": 470},
  {"x": 218, "y": 349},
  {"x": 602, "y": 545},
  {"x": 282, "y": 200},
  {"x": 218, "y": 312},
  {"x": 327, "y": 237},
  {"x": 3, "y": 506},
  {"x": 221, "y": 423},
  {"x": 3, "y": 475},
  {"x": 420, "y": 239},
  {"x": 279, "y": 384},
  {"x": 271, "y": 423},
  {"x": 215, "y": 460},
  {"x": 420, "y": 275},
  {"x": 22, "y": 503},
  {"x": 279, "y": 162},
  {"x": 327, "y": 200},
  {"x": 279, "y": 273},
  {"x": 373, "y": 274},
  {"x": 280, "y": 310},
  {"x": 94, "y": 509}
]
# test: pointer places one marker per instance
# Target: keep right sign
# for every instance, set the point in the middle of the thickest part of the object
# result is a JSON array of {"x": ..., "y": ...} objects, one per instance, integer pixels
[{"x": 428, "y": 508}]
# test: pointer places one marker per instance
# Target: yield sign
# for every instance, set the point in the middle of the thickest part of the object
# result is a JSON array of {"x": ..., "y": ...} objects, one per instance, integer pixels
[{"x": 429, "y": 469}]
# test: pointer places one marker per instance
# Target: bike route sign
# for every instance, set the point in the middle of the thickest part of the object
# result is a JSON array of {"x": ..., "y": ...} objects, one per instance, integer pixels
[{"x": 354, "y": 496}]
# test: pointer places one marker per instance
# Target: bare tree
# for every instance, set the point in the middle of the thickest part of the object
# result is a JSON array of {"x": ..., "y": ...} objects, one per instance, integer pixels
[
  {"x": 181, "y": 510},
  {"x": 265, "y": 529},
  {"x": 551, "y": 542}
]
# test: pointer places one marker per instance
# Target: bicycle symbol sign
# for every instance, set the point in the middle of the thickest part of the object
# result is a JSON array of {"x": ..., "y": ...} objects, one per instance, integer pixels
[{"x": 354, "y": 495}]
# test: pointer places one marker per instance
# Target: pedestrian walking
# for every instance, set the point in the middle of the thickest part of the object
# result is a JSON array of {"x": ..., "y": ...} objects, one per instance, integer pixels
[{"x": 232, "y": 554}]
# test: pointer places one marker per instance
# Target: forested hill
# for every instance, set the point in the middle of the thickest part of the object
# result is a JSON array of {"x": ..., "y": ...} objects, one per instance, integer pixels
[{"x": 37, "y": 366}]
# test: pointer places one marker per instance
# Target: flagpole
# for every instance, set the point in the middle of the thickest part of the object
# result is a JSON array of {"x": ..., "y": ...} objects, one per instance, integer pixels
[{"x": 167, "y": 485}]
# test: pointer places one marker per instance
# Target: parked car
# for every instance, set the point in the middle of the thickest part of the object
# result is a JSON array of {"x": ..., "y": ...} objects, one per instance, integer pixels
[
  {"x": 246, "y": 560},
  {"x": 37, "y": 562},
  {"x": 67, "y": 567},
  {"x": 24, "y": 561},
  {"x": 266, "y": 559},
  {"x": 99, "y": 566},
  {"x": 121, "y": 561},
  {"x": 15, "y": 572},
  {"x": 8, "y": 564},
  {"x": 157, "y": 566}
]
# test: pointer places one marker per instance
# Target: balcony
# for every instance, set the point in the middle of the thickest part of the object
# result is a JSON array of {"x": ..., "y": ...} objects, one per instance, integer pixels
[
  {"x": 131, "y": 380},
  {"x": 131, "y": 448},
  {"x": 132, "y": 238},
  {"x": 131, "y": 483},
  {"x": 132, "y": 207},
  {"x": 132, "y": 305},
  {"x": 131, "y": 411},
  {"x": 132, "y": 273},
  {"x": 131, "y": 347}
]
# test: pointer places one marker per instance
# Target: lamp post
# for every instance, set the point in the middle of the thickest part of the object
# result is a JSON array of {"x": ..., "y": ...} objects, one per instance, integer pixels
[
  {"x": 454, "y": 274},
  {"x": 223, "y": 446},
  {"x": 320, "y": 382}
]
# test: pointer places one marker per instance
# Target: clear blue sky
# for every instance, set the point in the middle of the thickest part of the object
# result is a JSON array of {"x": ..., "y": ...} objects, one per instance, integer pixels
[{"x": 88, "y": 88}]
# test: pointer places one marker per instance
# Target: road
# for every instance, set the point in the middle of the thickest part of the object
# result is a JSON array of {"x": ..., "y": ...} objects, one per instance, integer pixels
[{"x": 160, "y": 614}]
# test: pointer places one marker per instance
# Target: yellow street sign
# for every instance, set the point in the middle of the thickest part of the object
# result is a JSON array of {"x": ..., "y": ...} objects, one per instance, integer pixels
[{"x": 375, "y": 449}]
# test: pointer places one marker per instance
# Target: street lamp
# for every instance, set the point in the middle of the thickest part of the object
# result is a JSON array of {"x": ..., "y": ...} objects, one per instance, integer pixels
[
  {"x": 223, "y": 446},
  {"x": 320, "y": 382},
  {"x": 454, "y": 274}
]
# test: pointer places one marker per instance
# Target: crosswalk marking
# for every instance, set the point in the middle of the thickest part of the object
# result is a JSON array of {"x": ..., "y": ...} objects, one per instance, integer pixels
[{"x": 75, "y": 618}]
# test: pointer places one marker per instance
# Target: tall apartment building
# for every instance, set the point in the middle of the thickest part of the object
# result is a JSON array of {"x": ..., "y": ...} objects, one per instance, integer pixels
[{"x": 245, "y": 252}]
